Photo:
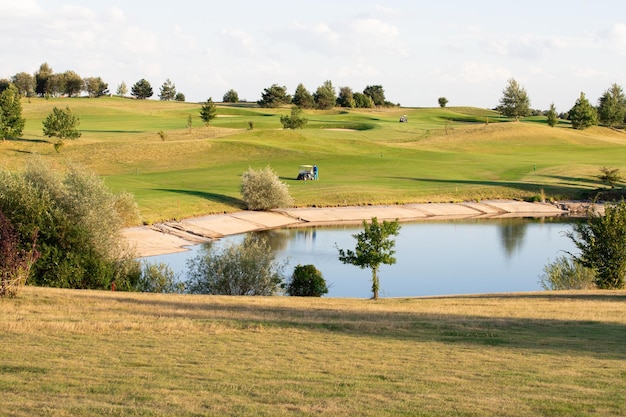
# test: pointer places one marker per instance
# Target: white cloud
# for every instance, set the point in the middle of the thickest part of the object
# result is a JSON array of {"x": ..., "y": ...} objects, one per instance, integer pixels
[
  {"x": 473, "y": 72},
  {"x": 618, "y": 37},
  {"x": 239, "y": 37}
]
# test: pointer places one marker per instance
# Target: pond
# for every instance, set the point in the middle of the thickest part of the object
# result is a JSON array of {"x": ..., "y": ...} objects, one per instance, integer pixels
[{"x": 433, "y": 258}]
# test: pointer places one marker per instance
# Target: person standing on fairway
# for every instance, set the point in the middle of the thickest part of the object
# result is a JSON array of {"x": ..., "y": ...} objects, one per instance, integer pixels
[{"x": 315, "y": 176}]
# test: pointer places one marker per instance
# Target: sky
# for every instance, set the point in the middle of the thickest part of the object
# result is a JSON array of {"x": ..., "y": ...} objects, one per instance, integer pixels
[{"x": 416, "y": 50}]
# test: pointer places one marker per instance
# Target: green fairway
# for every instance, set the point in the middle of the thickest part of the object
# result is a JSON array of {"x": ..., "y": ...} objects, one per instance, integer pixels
[
  {"x": 86, "y": 353},
  {"x": 364, "y": 156}
]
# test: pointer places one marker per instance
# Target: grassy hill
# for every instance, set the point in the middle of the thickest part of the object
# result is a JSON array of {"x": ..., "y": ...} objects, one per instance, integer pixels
[
  {"x": 364, "y": 156},
  {"x": 86, "y": 353}
]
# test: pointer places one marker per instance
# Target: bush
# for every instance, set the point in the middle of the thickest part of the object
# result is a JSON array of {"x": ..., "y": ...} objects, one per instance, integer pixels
[
  {"x": 79, "y": 224},
  {"x": 306, "y": 281},
  {"x": 247, "y": 268},
  {"x": 295, "y": 120},
  {"x": 263, "y": 190},
  {"x": 15, "y": 263},
  {"x": 159, "y": 278},
  {"x": 602, "y": 244},
  {"x": 566, "y": 274}
]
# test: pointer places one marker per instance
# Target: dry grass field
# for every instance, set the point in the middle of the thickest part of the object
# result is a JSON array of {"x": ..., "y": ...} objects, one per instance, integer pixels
[{"x": 86, "y": 353}]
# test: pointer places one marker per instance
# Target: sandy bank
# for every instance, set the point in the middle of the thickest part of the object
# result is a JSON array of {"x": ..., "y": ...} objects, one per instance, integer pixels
[{"x": 173, "y": 236}]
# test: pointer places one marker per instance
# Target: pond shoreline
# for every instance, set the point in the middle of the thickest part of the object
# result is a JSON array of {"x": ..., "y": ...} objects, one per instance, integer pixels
[{"x": 176, "y": 236}]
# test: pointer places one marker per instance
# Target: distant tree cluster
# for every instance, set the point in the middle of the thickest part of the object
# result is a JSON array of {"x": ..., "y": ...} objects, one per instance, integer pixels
[
  {"x": 46, "y": 83},
  {"x": 610, "y": 111},
  {"x": 325, "y": 97}
]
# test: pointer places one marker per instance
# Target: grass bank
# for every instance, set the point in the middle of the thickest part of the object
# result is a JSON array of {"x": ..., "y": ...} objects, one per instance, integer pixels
[
  {"x": 85, "y": 353},
  {"x": 365, "y": 156}
]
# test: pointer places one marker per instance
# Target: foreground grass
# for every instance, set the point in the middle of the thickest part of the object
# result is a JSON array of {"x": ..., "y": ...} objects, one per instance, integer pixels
[
  {"x": 84, "y": 353},
  {"x": 365, "y": 156}
]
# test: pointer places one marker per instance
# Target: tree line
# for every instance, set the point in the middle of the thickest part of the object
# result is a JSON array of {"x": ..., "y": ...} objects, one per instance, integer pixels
[
  {"x": 610, "y": 110},
  {"x": 46, "y": 83}
]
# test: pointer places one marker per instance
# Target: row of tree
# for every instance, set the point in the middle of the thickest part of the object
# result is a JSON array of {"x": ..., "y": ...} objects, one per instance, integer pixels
[
  {"x": 324, "y": 98},
  {"x": 610, "y": 111},
  {"x": 46, "y": 83}
]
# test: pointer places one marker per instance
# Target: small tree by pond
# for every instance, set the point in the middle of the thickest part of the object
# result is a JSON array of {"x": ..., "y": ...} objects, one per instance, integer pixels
[
  {"x": 374, "y": 246},
  {"x": 306, "y": 281},
  {"x": 602, "y": 243},
  {"x": 247, "y": 268},
  {"x": 566, "y": 274}
]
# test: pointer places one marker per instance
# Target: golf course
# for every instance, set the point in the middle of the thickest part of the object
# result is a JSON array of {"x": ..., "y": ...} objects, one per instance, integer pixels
[
  {"x": 365, "y": 156},
  {"x": 84, "y": 353}
]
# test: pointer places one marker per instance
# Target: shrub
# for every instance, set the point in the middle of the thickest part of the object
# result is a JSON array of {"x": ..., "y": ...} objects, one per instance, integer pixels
[
  {"x": 159, "y": 278},
  {"x": 15, "y": 263},
  {"x": 306, "y": 281},
  {"x": 566, "y": 274},
  {"x": 295, "y": 120},
  {"x": 79, "y": 224},
  {"x": 602, "y": 244},
  {"x": 263, "y": 190},
  {"x": 247, "y": 268}
]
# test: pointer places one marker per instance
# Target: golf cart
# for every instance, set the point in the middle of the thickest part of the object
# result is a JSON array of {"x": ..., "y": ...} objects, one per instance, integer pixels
[{"x": 306, "y": 173}]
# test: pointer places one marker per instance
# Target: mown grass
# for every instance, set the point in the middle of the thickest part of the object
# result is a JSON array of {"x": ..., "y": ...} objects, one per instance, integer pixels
[
  {"x": 84, "y": 353},
  {"x": 365, "y": 156}
]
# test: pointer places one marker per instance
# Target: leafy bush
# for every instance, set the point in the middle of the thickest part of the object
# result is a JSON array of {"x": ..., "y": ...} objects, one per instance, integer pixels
[
  {"x": 247, "y": 268},
  {"x": 566, "y": 274},
  {"x": 15, "y": 263},
  {"x": 263, "y": 190},
  {"x": 306, "y": 281},
  {"x": 79, "y": 224},
  {"x": 602, "y": 244},
  {"x": 295, "y": 120},
  {"x": 159, "y": 278}
]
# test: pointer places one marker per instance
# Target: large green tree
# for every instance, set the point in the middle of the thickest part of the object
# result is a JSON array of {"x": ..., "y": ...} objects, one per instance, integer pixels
[
  {"x": 62, "y": 124},
  {"x": 72, "y": 84},
  {"x": 362, "y": 101},
  {"x": 41, "y": 79},
  {"x": 168, "y": 91},
  {"x": 25, "y": 83},
  {"x": 230, "y": 96},
  {"x": 141, "y": 89},
  {"x": 208, "y": 111},
  {"x": 583, "y": 114},
  {"x": 303, "y": 98},
  {"x": 274, "y": 96},
  {"x": 95, "y": 87},
  {"x": 612, "y": 106},
  {"x": 346, "y": 97},
  {"x": 602, "y": 244},
  {"x": 325, "y": 96},
  {"x": 374, "y": 247},
  {"x": 514, "y": 101},
  {"x": 376, "y": 93},
  {"x": 11, "y": 120}
]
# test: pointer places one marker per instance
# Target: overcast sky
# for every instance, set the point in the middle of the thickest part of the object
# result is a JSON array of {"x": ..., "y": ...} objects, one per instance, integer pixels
[{"x": 417, "y": 50}]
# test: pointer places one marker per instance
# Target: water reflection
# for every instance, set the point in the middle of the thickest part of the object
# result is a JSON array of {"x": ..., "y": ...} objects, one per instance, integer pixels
[
  {"x": 433, "y": 258},
  {"x": 512, "y": 233}
]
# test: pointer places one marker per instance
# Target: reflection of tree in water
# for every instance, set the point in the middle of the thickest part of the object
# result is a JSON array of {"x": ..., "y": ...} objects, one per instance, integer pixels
[
  {"x": 277, "y": 239},
  {"x": 512, "y": 232}
]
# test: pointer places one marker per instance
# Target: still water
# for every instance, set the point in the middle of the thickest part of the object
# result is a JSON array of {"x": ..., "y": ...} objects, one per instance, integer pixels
[{"x": 433, "y": 258}]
